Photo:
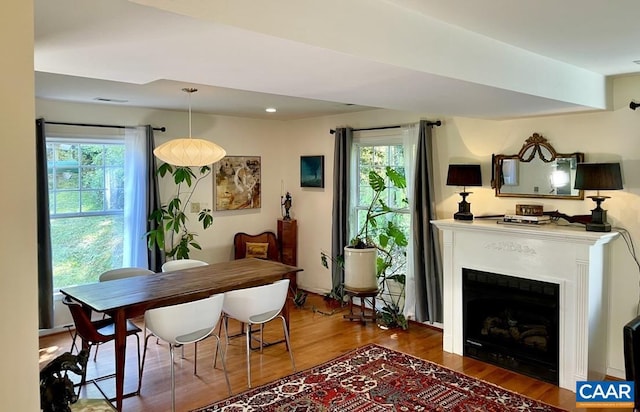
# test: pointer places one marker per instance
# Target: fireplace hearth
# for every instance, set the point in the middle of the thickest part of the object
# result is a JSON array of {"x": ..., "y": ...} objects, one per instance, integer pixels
[{"x": 511, "y": 322}]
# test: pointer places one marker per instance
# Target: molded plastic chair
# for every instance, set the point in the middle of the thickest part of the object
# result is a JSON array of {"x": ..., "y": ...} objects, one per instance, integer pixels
[
  {"x": 172, "y": 265},
  {"x": 182, "y": 324},
  {"x": 257, "y": 306},
  {"x": 122, "y": 273},
  {"x": 98, "y": 332}
]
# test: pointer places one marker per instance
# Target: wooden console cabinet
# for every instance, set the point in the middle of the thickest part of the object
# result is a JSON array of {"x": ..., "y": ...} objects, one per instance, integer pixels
[{"x": 288, "y": 244}]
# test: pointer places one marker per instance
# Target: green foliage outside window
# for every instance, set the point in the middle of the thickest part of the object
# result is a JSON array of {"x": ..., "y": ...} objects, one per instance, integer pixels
[
  {"x": 84, "y": 247},
  {"x": 86, "y": 202}
]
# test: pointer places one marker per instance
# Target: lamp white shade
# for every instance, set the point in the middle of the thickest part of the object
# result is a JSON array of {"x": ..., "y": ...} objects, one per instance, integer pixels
[{"x": 188, "y": 151}]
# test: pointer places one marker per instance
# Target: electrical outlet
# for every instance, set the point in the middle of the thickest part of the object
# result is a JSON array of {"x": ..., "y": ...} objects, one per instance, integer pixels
[{"x": 195, "y": 207}]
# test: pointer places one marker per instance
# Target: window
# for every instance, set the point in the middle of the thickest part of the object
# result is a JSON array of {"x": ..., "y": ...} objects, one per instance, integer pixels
[
  {"x": 376, "y": 154},
  {"x": 86, "y": 206}
]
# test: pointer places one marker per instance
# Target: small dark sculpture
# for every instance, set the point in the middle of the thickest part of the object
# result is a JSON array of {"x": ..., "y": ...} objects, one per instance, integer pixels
[
  {"x": 56, "y": 389},
  {"x": 287, "y": 205}
]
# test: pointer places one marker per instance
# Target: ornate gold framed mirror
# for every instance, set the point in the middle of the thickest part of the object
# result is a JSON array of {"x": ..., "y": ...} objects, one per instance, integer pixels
[{"x": 536, "y": 171}]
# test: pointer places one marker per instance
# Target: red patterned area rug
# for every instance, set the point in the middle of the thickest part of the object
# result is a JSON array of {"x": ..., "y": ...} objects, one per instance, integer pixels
[{"x": 373, "y": 378}]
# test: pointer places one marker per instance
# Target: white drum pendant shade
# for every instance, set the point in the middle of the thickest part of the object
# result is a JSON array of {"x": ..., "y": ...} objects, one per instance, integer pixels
[
  {"x": 360, "y": 269},
  {"x": 188, "y": 151}
]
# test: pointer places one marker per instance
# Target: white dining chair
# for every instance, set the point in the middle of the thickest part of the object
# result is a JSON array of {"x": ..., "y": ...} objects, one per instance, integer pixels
[
  {"x": 257, "y": 306},
  {"x": 122, "y": 273},
  {"x": 183, "y": 324},
  {"x": 178, "y": 264}
]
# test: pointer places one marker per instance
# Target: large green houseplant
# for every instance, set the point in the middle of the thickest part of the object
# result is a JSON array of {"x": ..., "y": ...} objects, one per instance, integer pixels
[
  {"x": 172, "y": 234},
  {"x": 380, "y": 232}
]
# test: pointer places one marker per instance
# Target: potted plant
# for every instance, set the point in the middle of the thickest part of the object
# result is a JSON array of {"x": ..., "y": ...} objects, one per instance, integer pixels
[
  {"x": 336, "y": 296},
  {"x": 172, "y": 234},
  {"x": 370, "y": 253},
  {"x": 382, "y": 241}
]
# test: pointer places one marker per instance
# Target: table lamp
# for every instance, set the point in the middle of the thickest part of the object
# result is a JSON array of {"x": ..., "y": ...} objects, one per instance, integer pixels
[
  {"x": 464, "y": 175},
  {"x": 598, "y": 176}
]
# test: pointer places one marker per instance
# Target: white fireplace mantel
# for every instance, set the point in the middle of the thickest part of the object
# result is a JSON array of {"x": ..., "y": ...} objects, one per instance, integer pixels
[{"x": 565, "y": 255}]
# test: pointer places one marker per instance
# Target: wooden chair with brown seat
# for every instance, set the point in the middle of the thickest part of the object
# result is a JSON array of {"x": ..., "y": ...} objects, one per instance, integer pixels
[
  {"x": 262, "y": 246},
  {"x": 95, "y": 332}
]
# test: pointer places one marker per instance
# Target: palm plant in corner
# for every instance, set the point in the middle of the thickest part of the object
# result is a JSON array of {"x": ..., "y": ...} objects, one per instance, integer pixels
[{"x": 172, "y": 234}]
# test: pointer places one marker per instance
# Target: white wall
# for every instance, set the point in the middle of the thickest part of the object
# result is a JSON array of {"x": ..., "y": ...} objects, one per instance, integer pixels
[{"x": 18, "y": 281}]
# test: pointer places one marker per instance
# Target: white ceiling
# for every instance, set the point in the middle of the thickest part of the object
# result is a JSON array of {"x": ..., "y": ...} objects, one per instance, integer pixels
[{"x": 484, "y": 58}]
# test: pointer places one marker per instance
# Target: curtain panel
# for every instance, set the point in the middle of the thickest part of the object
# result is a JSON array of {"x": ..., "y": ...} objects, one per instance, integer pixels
[
  {"x": 45, "y": 268},
  {"x": 426, "y": 244},
  {"x": 341, "y": 202},
  {"x": 155, "y": 256}
]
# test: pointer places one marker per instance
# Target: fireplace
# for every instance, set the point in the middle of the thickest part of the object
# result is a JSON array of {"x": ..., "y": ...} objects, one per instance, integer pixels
[
  {"x": 511, "y": 322},
  {"x": 572, "y": 259}
]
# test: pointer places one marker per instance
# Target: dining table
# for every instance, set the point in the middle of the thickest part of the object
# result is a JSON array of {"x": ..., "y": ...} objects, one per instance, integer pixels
[{"x": 128, "y": 298}]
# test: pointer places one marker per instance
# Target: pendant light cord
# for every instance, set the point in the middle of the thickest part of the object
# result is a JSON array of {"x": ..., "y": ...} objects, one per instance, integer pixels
[{"x": 190, "y": 91}]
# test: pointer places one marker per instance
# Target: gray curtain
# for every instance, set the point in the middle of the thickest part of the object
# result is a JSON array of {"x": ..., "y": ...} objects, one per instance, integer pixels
[
  {"x": 45, "y": 268},
  {"x": 339, "y": 224},
  {"x": 426, "y": 244},
  {"x": 156, "y": 255}
]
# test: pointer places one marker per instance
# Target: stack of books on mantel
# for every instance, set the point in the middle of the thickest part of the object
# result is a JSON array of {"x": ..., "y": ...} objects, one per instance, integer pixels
[{"x": 526, "y": 220}]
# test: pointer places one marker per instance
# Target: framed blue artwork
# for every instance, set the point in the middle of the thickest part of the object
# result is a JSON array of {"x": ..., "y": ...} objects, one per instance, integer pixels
[{"x": 311, "y": 171}]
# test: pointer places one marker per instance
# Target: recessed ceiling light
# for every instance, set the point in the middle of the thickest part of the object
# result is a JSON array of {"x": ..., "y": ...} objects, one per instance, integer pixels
[{"x": 270, "y": 110}]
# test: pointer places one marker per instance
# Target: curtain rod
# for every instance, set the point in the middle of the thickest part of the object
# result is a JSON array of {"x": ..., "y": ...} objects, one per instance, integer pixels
[
  {"x": 436, "y": 123},
  {"x": 161, "y": 129}
]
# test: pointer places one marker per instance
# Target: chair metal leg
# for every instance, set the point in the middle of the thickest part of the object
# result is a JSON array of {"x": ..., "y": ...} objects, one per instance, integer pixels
[
  {"x": 73, "y": 335},
  {"x": 195, "y": 357},
  {"x": 224, "y": 324},
  {"x": 286, "y": 337},
  {"x": 261, "y": 337},
  {"x": 139, "y": 365},
  {"x": 173, "y": 380},
  {"x": 144, "y": 356},
  {"x": 224, "y": 365},
  {"x": 248, "y": 355}
]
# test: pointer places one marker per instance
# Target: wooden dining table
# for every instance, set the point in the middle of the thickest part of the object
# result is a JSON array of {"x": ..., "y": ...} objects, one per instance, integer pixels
[{"x": 128, "y": 298}]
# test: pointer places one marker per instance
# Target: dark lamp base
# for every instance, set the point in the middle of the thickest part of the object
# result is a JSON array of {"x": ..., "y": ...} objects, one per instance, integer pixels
[
  {"x": 598, "y": 216},
  {"x": 463, "y": 216},
  {"x": 598, "y": 227},
  {"x": 464, "y": 208}
]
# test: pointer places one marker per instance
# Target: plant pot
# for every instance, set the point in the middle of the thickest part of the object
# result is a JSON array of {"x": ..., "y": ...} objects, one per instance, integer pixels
[{"x": 360, "y": 269}]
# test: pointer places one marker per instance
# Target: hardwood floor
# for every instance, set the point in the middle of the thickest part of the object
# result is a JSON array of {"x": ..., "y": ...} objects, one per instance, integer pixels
[{"x": 315, "y": 338}]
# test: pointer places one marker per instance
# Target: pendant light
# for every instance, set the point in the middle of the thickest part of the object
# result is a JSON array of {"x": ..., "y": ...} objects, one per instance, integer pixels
[{"x": 187, "y": 151}]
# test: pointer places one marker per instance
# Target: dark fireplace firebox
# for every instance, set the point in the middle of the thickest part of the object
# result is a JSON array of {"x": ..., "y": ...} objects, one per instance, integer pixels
[{"x": 512, "y": 322}]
